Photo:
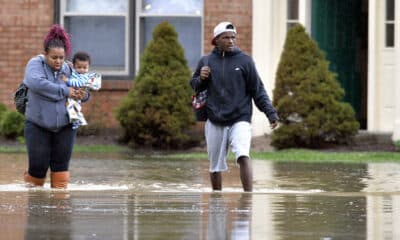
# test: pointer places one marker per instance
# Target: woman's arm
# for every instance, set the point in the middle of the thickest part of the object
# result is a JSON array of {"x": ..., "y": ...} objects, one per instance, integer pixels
[{"x": 37, "y": 80}]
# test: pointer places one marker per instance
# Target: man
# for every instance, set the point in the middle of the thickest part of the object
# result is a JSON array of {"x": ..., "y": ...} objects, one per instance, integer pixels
[{"x": 232, "y": 82}]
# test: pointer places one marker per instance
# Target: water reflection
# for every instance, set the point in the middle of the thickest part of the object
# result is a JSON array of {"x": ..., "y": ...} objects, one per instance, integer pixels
[
  {"x": 120, "y": 197},
  {"x": 226, "y": 220},
  {"x": 48, "y": 216},
  {"x": 320, "y": 217}
]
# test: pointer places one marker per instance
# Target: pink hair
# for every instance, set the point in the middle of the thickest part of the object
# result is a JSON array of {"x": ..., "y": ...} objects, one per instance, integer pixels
[{"x": 57, "y": 37}]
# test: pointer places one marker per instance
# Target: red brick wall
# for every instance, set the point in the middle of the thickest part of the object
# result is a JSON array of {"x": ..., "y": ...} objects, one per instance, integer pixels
[
  {"x": 23, "y": 26},
  {"x": 24, "y": 23},
  {"x": 239, "y": 12}
]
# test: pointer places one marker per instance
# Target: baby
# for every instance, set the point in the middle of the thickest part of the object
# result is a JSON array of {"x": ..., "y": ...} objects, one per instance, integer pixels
[{"x": 80, "y": 78}]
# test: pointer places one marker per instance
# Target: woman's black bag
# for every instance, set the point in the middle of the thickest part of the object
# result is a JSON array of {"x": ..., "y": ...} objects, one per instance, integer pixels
[
  {"x": 21, "y": 94},
  {"x": 20, "y": 98},
  {"x": 199, "y": 102}
]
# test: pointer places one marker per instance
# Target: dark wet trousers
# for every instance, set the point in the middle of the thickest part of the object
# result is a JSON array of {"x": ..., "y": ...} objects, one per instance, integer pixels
[{"x": 48, "y": 148}]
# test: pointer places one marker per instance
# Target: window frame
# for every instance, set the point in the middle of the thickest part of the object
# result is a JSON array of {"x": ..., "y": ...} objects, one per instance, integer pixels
[
  {"x": 292, "y": 21},
  {"x": 140, "y": 14},
  {"x": 129, "y": 15},
  {"x": 388, "y": 22}
]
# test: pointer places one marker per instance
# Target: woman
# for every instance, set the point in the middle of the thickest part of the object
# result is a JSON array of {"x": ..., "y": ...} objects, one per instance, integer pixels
[{"x": 49, "y": 135}]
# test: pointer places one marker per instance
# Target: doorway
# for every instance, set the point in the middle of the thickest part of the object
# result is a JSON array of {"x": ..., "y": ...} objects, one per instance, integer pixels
[{"x": 340, "y": 27}]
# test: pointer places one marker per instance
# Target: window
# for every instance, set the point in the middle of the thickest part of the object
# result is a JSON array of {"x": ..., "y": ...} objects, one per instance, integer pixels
[
  {"x": 292, "y": 13},
  {"x": 102, "y": 29},
  {"x": 389, "y": 23},
  {"x": 185, "y": 16}
]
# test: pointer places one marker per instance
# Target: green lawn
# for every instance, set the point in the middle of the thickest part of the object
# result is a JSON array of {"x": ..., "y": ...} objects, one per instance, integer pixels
[{"x": 300, "y": 155}]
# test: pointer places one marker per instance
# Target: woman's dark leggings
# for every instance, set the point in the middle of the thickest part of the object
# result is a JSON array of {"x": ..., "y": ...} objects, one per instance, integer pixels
[{"x": 48, "y": 149}]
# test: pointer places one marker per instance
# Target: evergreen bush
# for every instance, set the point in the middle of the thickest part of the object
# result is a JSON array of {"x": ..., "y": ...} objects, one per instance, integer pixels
[
  {"x": 157, "y": 111},
  {"x": 308, "y": 97},
  {"x": 3, "y": 109},
  {"x": 12, "y": 124}
]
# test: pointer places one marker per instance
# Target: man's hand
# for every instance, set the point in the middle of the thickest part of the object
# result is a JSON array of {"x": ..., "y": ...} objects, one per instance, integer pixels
[
  {"x": 274, "y": 124},
  {"x": 205, "y": 72}
]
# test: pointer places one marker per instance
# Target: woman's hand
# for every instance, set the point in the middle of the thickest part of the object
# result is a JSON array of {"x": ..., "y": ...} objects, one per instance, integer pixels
[{"x": 77, "y": 93}]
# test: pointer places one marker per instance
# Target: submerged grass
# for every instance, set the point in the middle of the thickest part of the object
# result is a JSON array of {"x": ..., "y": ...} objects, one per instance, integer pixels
[
  {"x": 77, "y": 148},
  {"x": 100, "y": 148}
]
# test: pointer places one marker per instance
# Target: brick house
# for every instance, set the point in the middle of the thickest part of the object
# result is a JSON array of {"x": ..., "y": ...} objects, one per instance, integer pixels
[
  {"x": 114, "y": 33},
  {"x": 359, "y": 37}
]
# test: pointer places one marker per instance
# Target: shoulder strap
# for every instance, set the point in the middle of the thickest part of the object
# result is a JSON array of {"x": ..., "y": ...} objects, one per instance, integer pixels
[
  {"x": 41, "y": 56},
  {"x": 205, "y": 60}
]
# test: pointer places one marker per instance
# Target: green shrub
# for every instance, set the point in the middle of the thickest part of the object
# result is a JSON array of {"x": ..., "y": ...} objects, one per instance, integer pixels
[
  {"x": 3, "y": 109},
  {"x": 12, "y": 124},
  {"x": 308, "y": 97},
  {"x": 397, "y": 145},
  {"x": 157, "y": 111}
]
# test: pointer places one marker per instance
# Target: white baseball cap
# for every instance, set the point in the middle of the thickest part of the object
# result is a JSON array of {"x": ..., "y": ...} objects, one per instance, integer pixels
[{"x": 221, "y": 28}]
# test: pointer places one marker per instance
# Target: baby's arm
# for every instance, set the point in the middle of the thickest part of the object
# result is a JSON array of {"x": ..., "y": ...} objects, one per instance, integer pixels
[{"x": 77, "y": 80}]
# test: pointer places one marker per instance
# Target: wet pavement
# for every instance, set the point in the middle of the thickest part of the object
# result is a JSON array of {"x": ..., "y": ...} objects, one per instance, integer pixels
[{"x": 114, "y": 196}]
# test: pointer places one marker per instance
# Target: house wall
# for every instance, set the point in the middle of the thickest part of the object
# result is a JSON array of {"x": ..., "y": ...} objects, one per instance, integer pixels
[
  {"x": 269, "y": 31},
  {"x": 24, "y": 23},
  {"x": 381, "y": 78},
  {"x": 383, "y": 107}
]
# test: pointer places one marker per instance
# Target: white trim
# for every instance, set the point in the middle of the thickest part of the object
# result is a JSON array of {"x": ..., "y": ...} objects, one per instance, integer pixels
[
  {"x": 137, "y": 31},
  {"x": 269, "y": 32},
  {"x": 139, "y": 14},
  {"x": 396, "y": 127},
  {"x": 372, "y": 64},
  {"x": 126, "y": 69},
  {"x": 127, "y": 33},
  {"x": 62, "y": 11},
  {"x": 302, "y": 12},
  {"x": 88, "y": 14},
  {"x": 262, "y": 46},
  {"x": 168, "y": 15},
  {"x": 305, "y": 14},
  {"x": 308, "y": 13}
]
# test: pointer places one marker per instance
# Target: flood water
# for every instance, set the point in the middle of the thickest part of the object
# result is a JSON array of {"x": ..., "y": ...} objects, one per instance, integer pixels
[{"x": 113, "y": 196}]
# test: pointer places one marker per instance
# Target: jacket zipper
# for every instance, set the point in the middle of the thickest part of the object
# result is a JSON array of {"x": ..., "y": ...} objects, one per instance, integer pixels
[
  {"x": 57, "y": 113},
  {"x": 223, "y": 75}
]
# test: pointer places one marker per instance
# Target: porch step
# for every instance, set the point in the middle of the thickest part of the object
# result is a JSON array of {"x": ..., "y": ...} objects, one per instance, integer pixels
[{"x": 372, "y": 138}]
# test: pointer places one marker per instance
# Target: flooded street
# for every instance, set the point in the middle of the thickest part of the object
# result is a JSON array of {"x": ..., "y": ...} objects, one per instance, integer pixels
[{"x": 113, "y": 196}]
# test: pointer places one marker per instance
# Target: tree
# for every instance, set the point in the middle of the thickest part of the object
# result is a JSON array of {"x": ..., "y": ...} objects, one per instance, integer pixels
[
  {"x": 308, "y": 97},
  {"x": 157, "y": 111}
]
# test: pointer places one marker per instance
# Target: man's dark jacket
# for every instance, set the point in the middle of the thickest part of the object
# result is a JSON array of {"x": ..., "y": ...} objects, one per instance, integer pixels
[{"x": 232, "y": 85}]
